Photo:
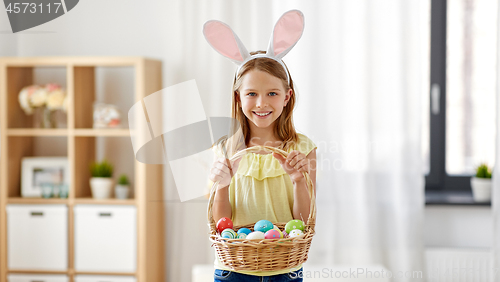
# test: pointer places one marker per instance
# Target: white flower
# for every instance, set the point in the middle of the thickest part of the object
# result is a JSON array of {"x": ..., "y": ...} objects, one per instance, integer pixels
[
  {"x": 38, "y": 98},
  {"x": 52, "y": 87},
  {"x": 65, "y": 104},
  {"x": 24, "y": 100},
  {"x": 55, "y": 99},
  {"x": 25, "y": 97}
]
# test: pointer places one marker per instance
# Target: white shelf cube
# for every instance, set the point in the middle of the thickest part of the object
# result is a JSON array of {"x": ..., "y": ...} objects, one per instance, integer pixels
[
  {"x": 37, "y": 278},
  {"x": 105, "y": 238},
  {"x": 102, "y": 278},
  {"x": 37, "y": 237}
]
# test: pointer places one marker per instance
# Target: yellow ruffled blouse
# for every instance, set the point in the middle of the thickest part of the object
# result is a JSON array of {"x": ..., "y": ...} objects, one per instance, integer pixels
[{"x": 261, "y": 189}]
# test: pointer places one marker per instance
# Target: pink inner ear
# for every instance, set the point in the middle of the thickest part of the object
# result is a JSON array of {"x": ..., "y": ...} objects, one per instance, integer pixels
[
  {"x": 287, "y": 31},
  {"x": 222, "y": 39}
]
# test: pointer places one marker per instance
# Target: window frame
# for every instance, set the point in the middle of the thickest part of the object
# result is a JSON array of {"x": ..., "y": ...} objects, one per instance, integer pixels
[{"x": 437, "y": 179}]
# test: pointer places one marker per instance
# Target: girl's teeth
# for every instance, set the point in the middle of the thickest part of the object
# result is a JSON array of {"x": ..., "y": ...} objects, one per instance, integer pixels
[{"x": 263, "y": 114}]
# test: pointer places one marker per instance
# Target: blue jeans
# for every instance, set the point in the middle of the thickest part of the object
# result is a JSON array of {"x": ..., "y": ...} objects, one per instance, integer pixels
[{"x": 225, "y": 275}]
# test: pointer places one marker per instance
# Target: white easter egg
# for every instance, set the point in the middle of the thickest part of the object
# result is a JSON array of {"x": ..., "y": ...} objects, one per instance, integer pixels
[
  {"x": 256, "y": 235},
  {"x": 295, "y": 233}
]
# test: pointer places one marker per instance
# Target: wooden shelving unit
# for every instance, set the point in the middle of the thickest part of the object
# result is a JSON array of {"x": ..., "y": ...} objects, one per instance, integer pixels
[{"x": 18, "y": 140}]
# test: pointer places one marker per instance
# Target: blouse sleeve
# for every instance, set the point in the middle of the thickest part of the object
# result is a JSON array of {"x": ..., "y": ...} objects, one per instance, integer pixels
[{"x": 305, "y": 145}]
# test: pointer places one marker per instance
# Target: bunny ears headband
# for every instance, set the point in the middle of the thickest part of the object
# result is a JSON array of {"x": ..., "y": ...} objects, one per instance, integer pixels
[{"x": 286, "y": 33}]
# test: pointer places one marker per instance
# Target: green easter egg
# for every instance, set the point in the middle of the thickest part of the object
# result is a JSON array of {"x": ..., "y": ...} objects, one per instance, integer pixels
[{"x": 294, "y": 224}]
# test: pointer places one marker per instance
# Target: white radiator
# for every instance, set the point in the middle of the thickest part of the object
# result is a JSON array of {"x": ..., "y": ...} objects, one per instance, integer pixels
[{"x": 458, "y": 265}]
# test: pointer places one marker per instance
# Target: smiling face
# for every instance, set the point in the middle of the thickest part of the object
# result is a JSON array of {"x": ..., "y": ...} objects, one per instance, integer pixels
[{"x": 262, "y": 98}]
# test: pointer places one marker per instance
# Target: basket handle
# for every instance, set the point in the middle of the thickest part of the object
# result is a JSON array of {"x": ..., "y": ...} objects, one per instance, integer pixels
[{"x": 312, "y": 211}]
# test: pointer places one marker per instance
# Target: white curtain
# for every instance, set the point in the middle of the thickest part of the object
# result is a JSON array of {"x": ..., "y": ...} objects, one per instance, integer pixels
[
  {"x": 358, "y": 74},
  {"x": 359, "y": 71},
  {"x": 495, "y": 201}
]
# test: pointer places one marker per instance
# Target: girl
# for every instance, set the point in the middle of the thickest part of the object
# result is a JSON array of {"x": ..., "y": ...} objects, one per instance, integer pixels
[{"x": 259, "y": 185}]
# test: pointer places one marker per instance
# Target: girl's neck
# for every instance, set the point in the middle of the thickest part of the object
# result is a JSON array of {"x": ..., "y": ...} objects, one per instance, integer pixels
[{"x": 263, "y": 137}]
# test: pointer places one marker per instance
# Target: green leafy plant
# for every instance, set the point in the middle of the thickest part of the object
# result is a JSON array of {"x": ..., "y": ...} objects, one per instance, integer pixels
[
  {"x": 483, "y": 171},
  {"x": 101, "y": 169},
  {"x": 123, "y": 180}
]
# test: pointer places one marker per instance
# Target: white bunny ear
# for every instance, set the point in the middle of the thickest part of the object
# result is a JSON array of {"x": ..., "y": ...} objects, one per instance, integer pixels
[
  {"x": 222, "y": 38},
  {"x": 286, "y": 33}
]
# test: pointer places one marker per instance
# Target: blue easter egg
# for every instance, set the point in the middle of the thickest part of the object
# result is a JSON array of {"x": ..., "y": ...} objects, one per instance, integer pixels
[
  {"x": 244, "y": 231},
  {"x": 263, "y": 226}
]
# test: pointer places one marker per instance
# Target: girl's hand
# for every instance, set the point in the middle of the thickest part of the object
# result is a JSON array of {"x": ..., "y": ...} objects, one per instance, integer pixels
[
  {"x": 294, "y": 165},
  {"x": 222, "y": 172}
]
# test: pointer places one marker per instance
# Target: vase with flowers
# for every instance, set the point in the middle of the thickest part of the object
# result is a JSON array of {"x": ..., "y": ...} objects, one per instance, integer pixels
[{"x": 44, "y": 102}]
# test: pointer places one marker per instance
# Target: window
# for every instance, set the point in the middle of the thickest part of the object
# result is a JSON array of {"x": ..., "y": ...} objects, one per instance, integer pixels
[{"x": 461, "y": 109}]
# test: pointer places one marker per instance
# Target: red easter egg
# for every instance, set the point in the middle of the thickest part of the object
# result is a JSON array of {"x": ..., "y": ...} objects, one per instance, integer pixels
[{"x": 224, "y": 223}]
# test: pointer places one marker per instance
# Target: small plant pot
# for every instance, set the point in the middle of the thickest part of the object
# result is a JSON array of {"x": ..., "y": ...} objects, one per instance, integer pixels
[
  {"x": 101, "y": 187},
  {"x": 122, "y": 191},
  {"x": 481, "y": 189}
]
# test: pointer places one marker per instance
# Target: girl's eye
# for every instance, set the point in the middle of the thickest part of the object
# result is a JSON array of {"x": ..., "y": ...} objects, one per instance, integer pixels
[
  {"x": 273, "y": 94},
  {"x": 251, "y": 94}
]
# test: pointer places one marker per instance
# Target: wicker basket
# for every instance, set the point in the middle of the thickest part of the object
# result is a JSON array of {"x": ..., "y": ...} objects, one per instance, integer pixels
[{"x": 265, "y": 254}]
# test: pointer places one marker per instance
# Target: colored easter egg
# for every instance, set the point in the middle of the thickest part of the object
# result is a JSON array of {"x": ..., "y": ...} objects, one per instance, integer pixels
[
  {"x": 242, "y": 236},
  {"x": 244, "y": 230},
  {"x": 256, "y": 235},
  {"x": 294, "y": 224},
  {"x": 226, "y": 236},
  {"x": 224, "y": 223},
  {"x": 228, "y": 233},
  {"x": 277, "y": 228},
  {"x": 285, "y": 235},
  {"x": 263, "y": 226},
  {"x": 272, "y": 234},
  {"x": 295, "y": 233}
]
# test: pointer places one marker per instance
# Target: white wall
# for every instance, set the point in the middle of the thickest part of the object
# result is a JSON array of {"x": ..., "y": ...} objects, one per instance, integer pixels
[
  {"x": 8, "y": 41},
  {"x": 458, "y": 226}
]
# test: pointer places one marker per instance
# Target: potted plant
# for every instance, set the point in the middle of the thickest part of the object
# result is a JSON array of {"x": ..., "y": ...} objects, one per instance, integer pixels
[
  {"x": 122, "y": 189},
  {"x": 101, "y": 182},
  {"x": 481, "y": 184}
]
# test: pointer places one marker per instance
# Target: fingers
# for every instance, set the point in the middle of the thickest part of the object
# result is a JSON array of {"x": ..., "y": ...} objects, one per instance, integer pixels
[
  {"x": 223, "y": 169},
  {"x": 279, "y": 157},
  {"x": 214, "y": 177},
  {"x": 293, "y": 158},
  {"x": 297, "y": 160},
  {"x": 217, "y": 174},
  {"x": 302, "y": 166},
  {"x": 226, "y": 165},
  {"x": 221, "y": 166}
]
